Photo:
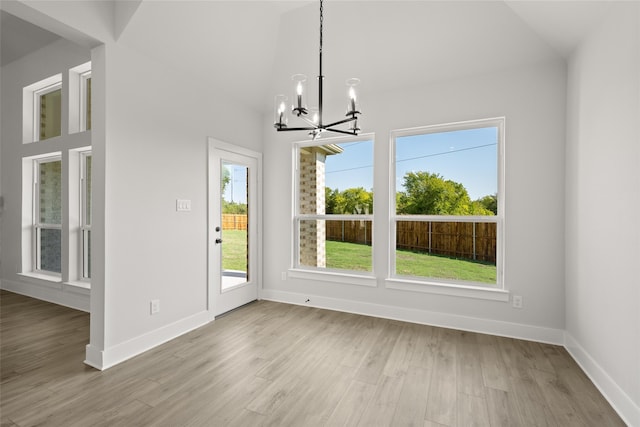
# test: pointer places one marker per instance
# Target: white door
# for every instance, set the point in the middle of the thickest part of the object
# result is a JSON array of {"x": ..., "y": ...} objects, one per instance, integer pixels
[{"x": 233, "y": 226}]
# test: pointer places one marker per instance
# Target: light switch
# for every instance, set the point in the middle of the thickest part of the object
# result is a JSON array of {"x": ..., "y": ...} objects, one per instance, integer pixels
[{"x": 183, "y": 205}]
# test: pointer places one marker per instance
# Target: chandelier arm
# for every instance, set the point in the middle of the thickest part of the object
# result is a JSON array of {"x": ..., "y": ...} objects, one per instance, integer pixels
[
  {"x": 346, "y": 132},
  {"x": 283, "y": 129},
  {"x": 339, "y": 122},
  {"x": 310, "y": 122}
]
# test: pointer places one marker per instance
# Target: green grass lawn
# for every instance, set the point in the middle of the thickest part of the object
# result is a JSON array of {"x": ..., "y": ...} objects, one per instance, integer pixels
[
  {"x": 442, "y": 267},
  {"x": 352, "y": 256},
  {"x": 234, "y": 250}
]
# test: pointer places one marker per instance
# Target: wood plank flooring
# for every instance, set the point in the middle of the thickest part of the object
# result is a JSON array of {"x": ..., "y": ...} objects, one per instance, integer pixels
[{"x": 271, "y": 364}]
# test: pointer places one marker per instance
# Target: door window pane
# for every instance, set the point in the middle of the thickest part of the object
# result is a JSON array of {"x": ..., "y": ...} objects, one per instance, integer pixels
[{"x": 235, "y": 211}]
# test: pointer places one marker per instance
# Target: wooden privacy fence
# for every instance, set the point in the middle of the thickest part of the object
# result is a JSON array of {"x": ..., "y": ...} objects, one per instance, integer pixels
[
  {"x": 467, "y": 240},
  {"x": 352, "y": 231},
  {"x": 234, "y": 222}
]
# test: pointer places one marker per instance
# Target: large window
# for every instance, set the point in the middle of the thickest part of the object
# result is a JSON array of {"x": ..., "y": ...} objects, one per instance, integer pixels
[
  {"x": 334, "y": 206},
  {"x": 447, "y": 227},
  {"x": 47, "y": 222}
]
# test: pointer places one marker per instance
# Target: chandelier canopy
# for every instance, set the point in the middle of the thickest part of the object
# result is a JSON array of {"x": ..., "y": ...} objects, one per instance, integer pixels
[{"x": 315, "y": 124}]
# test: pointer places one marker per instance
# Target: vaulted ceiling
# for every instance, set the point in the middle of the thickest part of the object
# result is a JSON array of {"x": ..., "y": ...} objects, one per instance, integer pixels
[{"x": 250, "y": 49}]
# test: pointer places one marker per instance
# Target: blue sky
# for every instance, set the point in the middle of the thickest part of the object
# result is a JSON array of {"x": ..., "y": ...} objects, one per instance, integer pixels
[
  {"x": 236, "y": 190},
  {"x": 465, "y": 156}
]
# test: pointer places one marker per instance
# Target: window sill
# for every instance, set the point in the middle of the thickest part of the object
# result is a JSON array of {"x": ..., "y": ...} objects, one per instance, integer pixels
[
  {"x": 42, "y": 276},
  {"x": 80, "y": 287},
  {"x": 334, "y": 277},
  {"x": 450, "y": 289}
]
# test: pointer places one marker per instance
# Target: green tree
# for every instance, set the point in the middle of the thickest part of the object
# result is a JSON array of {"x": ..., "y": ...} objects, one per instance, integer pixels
[
  {"x": 330, "y": 197},
  {"x": 355, "y": 201},
  {"x": 430, "y": 194},
  {"x": 490, "y": 203},
  {"x": 234, "y": 208},
  {"x": 350, "y": 201},
  {"x": 226, "y": 178}
]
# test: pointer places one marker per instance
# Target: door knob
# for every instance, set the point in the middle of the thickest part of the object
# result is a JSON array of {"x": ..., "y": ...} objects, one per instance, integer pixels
[{"x": 218, "y": 240}]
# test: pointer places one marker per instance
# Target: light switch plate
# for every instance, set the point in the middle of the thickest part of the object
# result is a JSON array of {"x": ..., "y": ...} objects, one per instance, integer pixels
[{"x": 183, "y": 205}]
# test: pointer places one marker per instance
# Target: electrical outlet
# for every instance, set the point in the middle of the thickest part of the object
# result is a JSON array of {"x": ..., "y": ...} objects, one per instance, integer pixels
[
  {"x": 155, "y": 306},
  {"x": 517, "y": 301},
  {"x": 284, "y": 275}
]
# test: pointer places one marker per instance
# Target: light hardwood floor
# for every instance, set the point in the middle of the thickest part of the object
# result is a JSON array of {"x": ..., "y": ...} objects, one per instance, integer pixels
[{"x": 282, "y": 365}]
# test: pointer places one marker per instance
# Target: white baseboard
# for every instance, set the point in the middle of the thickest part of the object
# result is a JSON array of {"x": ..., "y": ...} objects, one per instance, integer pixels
[
  {"x": 111, "y": 356},
  {"x": 57, "y": 293},
  {"x": 94, "y": 357},
  {"x": 445, "y": 320},
  {"x": 621, "y": 402}
]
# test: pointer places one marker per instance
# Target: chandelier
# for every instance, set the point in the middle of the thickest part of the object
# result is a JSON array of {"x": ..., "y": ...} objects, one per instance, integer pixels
[{"x": 315, "y": 125}]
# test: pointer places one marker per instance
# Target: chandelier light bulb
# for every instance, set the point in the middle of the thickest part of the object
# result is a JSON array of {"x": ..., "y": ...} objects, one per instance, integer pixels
[
  {"x": 353, "y": 109},
  {"x": 280, "y": 119},
  {"x": 299, "y": 107}
]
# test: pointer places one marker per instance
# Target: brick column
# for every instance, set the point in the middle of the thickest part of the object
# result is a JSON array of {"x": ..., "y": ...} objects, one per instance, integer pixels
[{"x": 312, "y": 201}]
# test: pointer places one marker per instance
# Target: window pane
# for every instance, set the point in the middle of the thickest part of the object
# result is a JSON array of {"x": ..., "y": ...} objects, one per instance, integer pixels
[
  {"x": 50, "y": 114},
  {"x": 336, "y": 179},
  {"x": 235, "y": 209},
  {"x": 336, "y": 244},
  {"x": 50, "y": 197},
  {"x": 50, "y": 254},
  {"x": 88, "y": 103},
  {"x": 86, "y": 251},
  {"x": 448, "y": 173},
  {"x": 447, "y": 250},
  {"x": 87, "y": 198}
]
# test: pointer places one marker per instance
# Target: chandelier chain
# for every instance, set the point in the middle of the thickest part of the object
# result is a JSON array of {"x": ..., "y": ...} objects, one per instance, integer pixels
[{"x": 321, "y": 24}]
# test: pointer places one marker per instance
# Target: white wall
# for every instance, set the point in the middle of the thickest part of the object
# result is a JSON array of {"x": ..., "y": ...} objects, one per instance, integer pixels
[
  {"x": 156, "y": 126},
  {"x": 532, "y": 99},
  {"x": 55, "y": 58},
  {"x": 602, "y": 222}
]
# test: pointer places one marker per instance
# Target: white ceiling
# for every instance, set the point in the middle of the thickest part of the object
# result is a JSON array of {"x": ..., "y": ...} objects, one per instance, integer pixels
[{"x": 249, "y": 49}]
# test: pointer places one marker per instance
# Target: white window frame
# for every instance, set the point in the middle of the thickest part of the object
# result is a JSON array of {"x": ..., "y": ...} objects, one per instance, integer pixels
[
  {"x": 37, "y": 226},
  {"x": 31, "y": 106},
  {"x": 445, "y": 286},
  {"x": 353, "y": 277},
  {"x": 36, "y": 104},
  {"x": 85, "y": 226},
  {"x": 83, "y": 100},
  {"x": 78, "y": 76}
]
